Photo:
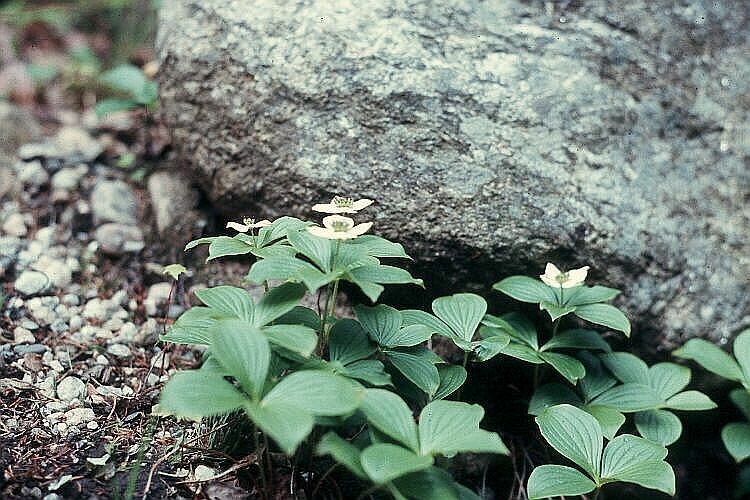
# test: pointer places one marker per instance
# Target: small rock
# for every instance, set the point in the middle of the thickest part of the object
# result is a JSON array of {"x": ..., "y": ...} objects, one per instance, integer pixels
[
  {"x": 119, "y": 350},
  {"x": 57, "y": 271},
  {"x": 75, "y": 144},
  {"x": 148, "y": 333},
  {"x": 29, "y": 325},
  {"x": 71, "y": 388},
  {"x": 92, "y": 425},
  {"x": 58, "y": 326},
  {"x": 68, "y": 179},
  {"x": 126, "y": 334},
  {"x": 78, "y": 416},
  {"x": 172, "y": 198},
  {"x": 101, "y": 360},
  {"x": 14, "y": 225},
  {"x": 158, "y": 294},
  {"x": 75, "y": 323},
  {"x": 33, "y": 348},
  {"x": 114, "y": 201},
  {"x": 117, "y": 239},
  {"x": 31, "y": 283},
  {"x": 23, "y": 336},
  {"x": 32, "y": 175}
]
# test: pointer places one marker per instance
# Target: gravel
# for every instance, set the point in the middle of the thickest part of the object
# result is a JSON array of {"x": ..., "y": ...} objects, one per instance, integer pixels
[{"x": 71, "y": 388}]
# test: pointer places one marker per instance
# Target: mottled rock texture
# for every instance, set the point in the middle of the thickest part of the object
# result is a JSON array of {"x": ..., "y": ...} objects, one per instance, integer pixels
[{"x": 494, "y": 133}]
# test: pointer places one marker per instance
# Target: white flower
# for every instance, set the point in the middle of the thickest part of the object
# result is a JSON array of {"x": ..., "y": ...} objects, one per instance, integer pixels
[
  {"x": 342, "y": 205},
  {"x": 247, "y": 225},
  {"x": 557, "y": 279},
  {"x": 337, "y": 227}
]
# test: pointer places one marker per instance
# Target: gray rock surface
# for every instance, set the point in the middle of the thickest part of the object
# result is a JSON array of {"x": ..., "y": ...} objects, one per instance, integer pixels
[
  {"x": 118, "y": 239},
  {"x": 501, "y": 134},
  {"x": 114, "y": 201},
  {"x": 172, "y": 199},
  {"x": 31, "y": 283}
]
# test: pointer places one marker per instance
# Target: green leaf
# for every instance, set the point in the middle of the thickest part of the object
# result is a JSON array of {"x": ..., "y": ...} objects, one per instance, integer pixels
[
  {"x": 416, "y": 317},
  {"x": 517, "y": 326},
  {"x": 385, "y": 462},
  {"x": 351, "y": 257},
  {"x": 380, "y": 247},
  {"x": 418, "y": 370},
  {"x": 388, "y": 413},
  {"x": 386, "y": 275},
  {"x": 568, "y": 366},
  {"x": 577, "y": 339},
  {"x": 609, "y": 419},
  {"x": 605, "y": 315},
  {"x": 370, "y": 371},
  {"x": 277, "y": 302},
  {"x": 711, "y": 357},
  {"x": 668, "y": 378},
  {"x": 316, "y": 392},
  {"x": 626, "y": 450},
  {"x": 526, "y": 289},
  {"x": 522, "y": 352},
  {"x": 195, "y": 394},
  {"x": 584, "y": 295},
  {"x": 348, "y": 342},
  {"x": 284, "y": 422},
  {"x": 125, "y": 78},
  {"x": 276, "y": 250},
  {"x": 640, "y": 461},
  {"x": 300, "y": 316},
  {"x": 491, "y": 346},
  {"x": 451, "y": 378},
  {"x": 288, "y": 268},
  {"x": 462, "y": 312},
  {"x": 230, "y": 300},
  {"x": 371, "y": 290},
  {"x": 736, "y": 438},
  {"x": 221, "y": 246},
  {"x": 432, "y": 483},
  {"x": 574, "y": 434},
  {"x": 450, "y": 427},
  {"x": 243, "y": 351},
  {"x": 199, "y": 241},
  {"x": 657, "y": 475},
  {"x": 690, "y": 400},
  {"x": 629, "y": 398},
  {"x": 659, "y": 426},
  {"x": 552, "y": 395},
  {"x": 192, "y": 327},
  {"x": 556, "y": 311},
  {"x": 548, "y": 481},
  {"x": 343, "y": 452},
  {"x": 597, "y": 379},
  {"x": 742, "y": 353},
  {"x": 107, "y": 106},
  {"x": 741, "y": 399},
  {"x": 174, "y": 270},
  {"x": 318, "y": 250},
  {"x": 295, "y": 338},
  {"x": 279, "y": 229},
  {"x": 626, "y": 367},
  {"x": 381, "y": 322}
]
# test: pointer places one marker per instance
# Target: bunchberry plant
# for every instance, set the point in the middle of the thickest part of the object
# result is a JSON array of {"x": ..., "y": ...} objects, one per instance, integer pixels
[
  {"x": 366, "y": 394},
  {"x": 316, "y": 383},
  {"x": 736, "y": 435}
]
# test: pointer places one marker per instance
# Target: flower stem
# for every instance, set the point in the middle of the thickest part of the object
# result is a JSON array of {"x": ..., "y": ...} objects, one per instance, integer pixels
[
  {"x": 330, "y": 304},
  {"x": 261, "y": 465}
]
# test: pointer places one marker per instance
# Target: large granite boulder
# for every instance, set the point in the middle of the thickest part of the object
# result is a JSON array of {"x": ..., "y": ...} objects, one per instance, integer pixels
[{"x": 491, "y": 133}]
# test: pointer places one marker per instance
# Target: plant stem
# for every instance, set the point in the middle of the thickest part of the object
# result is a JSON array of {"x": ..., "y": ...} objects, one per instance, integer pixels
[
  {"x": 330, "y": 304},
  {"x": 369, "y": 491},
  {"x": 323, "y": 478},
  {"x": 261, "y": 465}
]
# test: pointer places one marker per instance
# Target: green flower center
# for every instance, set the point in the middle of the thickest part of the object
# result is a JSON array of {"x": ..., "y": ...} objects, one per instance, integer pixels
[
  {"x": 343, "y": 202},
  {"x": 340, "y": 226},
  {"x": 562, "y": 278},
  {"x": 248, "y": 221}
]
